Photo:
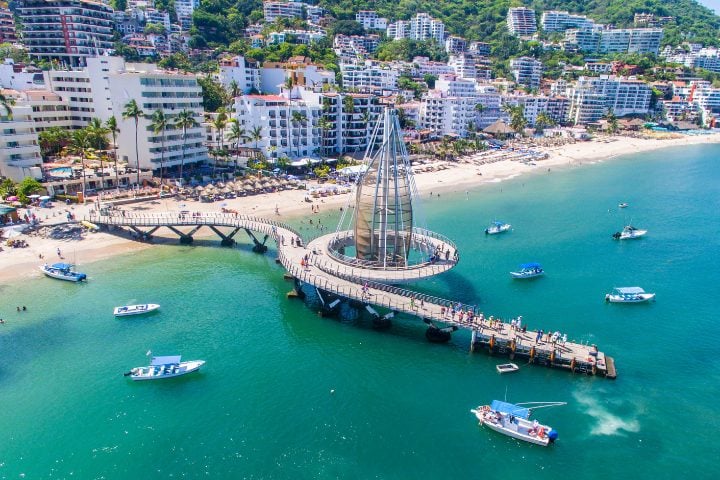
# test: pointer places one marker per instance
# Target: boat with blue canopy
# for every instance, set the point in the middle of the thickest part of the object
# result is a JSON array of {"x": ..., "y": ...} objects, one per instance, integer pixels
[
  {"x": 514, "y": 421},
  {"x": 165, "y": 367},
  {"x": 528, "y": 270},
  {"x": 629, "y": 295},
  {"x": 63, "y": 271},
  {"x": 497, "y": 227}
]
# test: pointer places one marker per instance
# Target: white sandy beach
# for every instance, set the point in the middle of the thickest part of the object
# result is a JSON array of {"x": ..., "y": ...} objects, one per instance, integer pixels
[{"x": 461, "y": 176}]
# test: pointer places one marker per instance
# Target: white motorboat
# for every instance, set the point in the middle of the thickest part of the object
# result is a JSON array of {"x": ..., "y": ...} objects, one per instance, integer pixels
[
  {"x": 63, "y": 271},
  {"x": 135, "y": 309},
  {"x": 629, "y": 232},
  {"x": 165, "y": 367},
  {"x": 513, "y": 421},
  {"x": 528, "y": 270},
  {"x": 497, "y": 227},
  {"x": 629, "y": 295},
  {"x": 507, "y": 368},
  {"x": 623, "y": 205}
]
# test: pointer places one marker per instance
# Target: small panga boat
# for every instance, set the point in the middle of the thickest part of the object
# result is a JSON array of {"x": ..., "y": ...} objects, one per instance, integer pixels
[
  {"x": 63, "y": 271},
  {"x": 165, "y": 367},
  {"x": 497, "y": 227},
  {"x": 514, "y": 421},
  {"x": 629, "y": 233},
  {"x": 528, "y": 270},
  {"x": 629, "y": 295},
  {"x": 135, "y": 309},
  {"x": 507, "y": 368}
]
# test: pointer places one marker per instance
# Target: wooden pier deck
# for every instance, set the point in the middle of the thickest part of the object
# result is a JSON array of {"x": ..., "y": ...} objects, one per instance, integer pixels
[{"x": 325, "y": 274}]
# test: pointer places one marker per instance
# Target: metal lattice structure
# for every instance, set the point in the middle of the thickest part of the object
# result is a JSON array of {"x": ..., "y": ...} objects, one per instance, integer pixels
[{"x": 383, "y": 227}]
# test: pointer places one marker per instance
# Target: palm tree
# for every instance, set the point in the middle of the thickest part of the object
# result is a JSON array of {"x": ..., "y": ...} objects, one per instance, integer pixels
[
  {"x": 184, "y": 120},
  {"x": 6, "y": 103},
  {"x": 132, "y": 110},
  {"x": 238, "y": 135},
  {"x": 518, "y": 122},
  {"x": 80, "y": 143},
  {"x": 256, "y": 135},
  {"x": 219, "y": 123},
  {"x": 325, "y": 126},
  {"x": 112, "y": 127},
  {"x": 234, "y": 89},
  {"x": 97, "y": 134},
  {"x": 159, "y": 123},
  {"x": 542, "y": 121},
  {"x": 298, "y": 118}
]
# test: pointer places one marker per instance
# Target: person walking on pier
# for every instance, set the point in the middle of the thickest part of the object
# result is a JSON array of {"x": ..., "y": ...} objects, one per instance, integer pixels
[{"x": 538, "y": 336}]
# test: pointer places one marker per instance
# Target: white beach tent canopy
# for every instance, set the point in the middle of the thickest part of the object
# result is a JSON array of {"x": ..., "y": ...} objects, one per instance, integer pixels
[
  {"x": 353, "y": 170},
  {"x": 305, "y": 162}
]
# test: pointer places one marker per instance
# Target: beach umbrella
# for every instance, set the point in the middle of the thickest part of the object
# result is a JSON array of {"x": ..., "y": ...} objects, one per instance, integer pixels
[
  {"x": 44, "y": 198},
  {"x": 11, "y": 198},
  {"x": 199, "y": 188},
  {"x": 226, "y": 190},
  {"x": 34, "y": 196}
]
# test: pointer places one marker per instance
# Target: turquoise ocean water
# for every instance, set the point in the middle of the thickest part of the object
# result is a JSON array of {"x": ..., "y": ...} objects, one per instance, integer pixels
[{"x": 262, "y": 406}]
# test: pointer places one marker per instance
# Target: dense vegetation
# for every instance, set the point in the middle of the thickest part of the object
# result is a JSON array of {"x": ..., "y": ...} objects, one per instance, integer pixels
[{"x": 220, "y": 23}]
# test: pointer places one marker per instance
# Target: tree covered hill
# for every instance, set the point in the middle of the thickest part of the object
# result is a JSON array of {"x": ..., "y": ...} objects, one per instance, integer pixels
[
  {"x": 484, "y": 20},
  {"x": 221, "y": 22}
]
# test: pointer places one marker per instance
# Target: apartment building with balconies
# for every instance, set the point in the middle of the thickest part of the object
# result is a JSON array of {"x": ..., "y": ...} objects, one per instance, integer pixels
[
  {"x": 521, "y": 21},
  {"x": 66, "y": 31},
  {"x": 156, "y": 89},
  {"x": 19, "y": 149}
]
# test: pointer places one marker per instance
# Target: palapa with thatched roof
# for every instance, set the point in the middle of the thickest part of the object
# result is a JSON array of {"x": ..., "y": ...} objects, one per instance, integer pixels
[{"x": 499, "y": 128}]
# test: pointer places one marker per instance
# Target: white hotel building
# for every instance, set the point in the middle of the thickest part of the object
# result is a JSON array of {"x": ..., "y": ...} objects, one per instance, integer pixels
[
  {"x": 283, "y": 136},
  {"x": 556, "y": 21},
  {"x": 370, "y": 21},
  {"x": 420, "y": 27},
  {"x": 19, "y": 150},
  {"x": 521, "y": 21},
  {"x": 449, "y": 109},
  {"x": 155, "y": 89},
  {"x": 593, "y": 97}
]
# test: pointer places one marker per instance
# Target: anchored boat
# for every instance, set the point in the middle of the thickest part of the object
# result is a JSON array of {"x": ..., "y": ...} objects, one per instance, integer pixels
[
  {"x": 165, "y": 367},
  {"x": 497, "y": 227},
  {"x": 507, "y": 368},
  {"x": 528, "y": 270},
  {"x": 63, "y": 271},
  {"x": 135, "y": 309},
  {"x": 629, "y": 233},
  {"x": 629, "y": 295},
  {"x": 514, "y": 421}
]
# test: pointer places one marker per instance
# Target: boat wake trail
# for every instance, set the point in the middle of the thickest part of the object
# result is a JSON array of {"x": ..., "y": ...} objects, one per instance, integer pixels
[{"x": 607, "y": 422}]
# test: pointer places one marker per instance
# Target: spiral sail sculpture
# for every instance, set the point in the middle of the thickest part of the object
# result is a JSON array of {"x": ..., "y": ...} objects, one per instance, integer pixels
[{"x": 384, "y": 200}]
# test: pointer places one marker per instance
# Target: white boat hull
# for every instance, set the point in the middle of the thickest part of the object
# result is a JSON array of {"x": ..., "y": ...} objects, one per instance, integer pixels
[
  {"x": 135, "y": 309},
  {"x": 639, "y": 298},
  {"x": 496, "y": 230},
  {"x": 519, "y": 428},
  {"x": 633, "y": 235},
  {"x": 72, "y": 277},
  {"x": 526, "y": 274},
  {"x": 159, "y": 372},
  {"x": 507, "y": 368}
]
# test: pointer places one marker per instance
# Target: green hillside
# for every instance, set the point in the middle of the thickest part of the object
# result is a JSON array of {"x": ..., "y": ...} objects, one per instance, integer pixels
[
  {"x": 221, "y": 22},
  {"x": 485, "y": 20}
]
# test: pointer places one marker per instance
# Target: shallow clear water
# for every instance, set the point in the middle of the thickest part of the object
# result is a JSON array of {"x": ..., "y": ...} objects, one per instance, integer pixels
[{"x": 262, "y": 406}]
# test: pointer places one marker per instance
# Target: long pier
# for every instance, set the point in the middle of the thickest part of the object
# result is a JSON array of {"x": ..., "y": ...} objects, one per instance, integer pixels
[{"x": 310, "y": 265}]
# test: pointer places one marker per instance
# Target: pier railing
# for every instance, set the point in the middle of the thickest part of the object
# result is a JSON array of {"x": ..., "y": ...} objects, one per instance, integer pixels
[{"x": 258, "y": 224}]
